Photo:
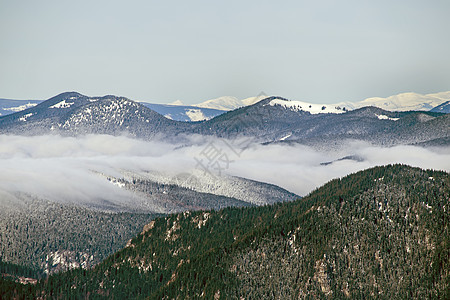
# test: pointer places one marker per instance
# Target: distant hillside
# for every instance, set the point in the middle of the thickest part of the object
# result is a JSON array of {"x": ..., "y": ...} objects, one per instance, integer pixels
[
  {"x": 443, "y": 108},
  {"x": 404, "y": 102},
  {"x": 8, "y": 106},
  {"x": 382, "y": 232}
]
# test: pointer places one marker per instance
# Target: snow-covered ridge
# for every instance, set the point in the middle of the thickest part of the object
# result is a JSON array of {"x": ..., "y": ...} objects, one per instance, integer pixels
[
  {"x": 403, "y": 102},
  {"x": 229, "y": 103},
  {"x": 221, "y": 103},
  {"x": 400, "y": 102},
  {"x": 309, "y": 107}
]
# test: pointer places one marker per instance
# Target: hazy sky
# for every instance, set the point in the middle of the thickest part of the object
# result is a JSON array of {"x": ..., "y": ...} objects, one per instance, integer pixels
[{"x": 161, "y": 51}]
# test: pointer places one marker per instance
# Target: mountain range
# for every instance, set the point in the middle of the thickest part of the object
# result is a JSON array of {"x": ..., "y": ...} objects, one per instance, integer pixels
[
  {"x": 208, "y": 109},
  {"x": 273, "y": 119},
  {"x": 401, "y": 102}
]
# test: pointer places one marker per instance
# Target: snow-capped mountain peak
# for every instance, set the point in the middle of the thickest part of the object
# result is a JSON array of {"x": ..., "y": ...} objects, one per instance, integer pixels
[
  {"x": 221, "y": 103},
  {"x": 227, "y": 103},
  {"x": 177, "y": 103}
]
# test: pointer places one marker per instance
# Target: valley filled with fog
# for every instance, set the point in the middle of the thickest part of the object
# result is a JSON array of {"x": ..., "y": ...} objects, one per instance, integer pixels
[{"x": 75, "y": 169}]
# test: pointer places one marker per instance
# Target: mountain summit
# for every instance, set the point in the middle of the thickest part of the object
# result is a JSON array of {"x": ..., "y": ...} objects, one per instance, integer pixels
[{"x": 74, "y": 113}]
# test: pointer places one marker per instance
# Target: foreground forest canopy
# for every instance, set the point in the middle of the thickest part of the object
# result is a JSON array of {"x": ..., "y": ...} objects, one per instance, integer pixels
[{"x": 382, "y": 232}]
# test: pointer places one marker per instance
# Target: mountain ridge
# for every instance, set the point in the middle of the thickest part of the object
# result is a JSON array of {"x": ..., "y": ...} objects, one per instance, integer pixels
[
  {"x": 213, "y": 107},
  {"x": 270, "y": 120}
]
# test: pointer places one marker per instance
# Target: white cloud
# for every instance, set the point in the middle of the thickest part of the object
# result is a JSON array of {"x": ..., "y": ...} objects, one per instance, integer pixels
[
  {"x": 61, "y": 168},
  {"x": 298, "y": 168}
]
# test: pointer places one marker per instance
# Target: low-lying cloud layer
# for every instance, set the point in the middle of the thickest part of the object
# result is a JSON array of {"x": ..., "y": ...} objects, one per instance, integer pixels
[{"x": 66, "y": 169}]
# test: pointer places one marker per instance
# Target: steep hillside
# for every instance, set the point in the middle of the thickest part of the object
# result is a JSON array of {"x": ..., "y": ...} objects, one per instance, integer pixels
[{"x": 382, "y": 232}]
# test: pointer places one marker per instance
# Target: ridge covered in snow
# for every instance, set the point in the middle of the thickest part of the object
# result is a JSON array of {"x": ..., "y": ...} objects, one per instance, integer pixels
[
  {"x": 403, "y": 102},
  {"x": 436, "y": 102},
  {"x": 229, "y": 103}
]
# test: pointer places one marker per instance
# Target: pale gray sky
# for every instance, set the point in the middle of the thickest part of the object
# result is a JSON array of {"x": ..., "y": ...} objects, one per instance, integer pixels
[{"x": 161, "y": 51}]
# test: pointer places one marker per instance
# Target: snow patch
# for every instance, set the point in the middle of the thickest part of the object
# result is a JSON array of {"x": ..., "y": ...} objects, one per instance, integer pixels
[
  {"x": 384, "y": 117},
  {"x": 25, "y": 117},
  {"x": 221, "y": 103},
  {"x": 308, "y": 107},
  {"x": 62, "y": 104},
  {"x": 116, "y": 182},
  {"x": 283, "y": 138},
  {"x": 195, "y": 115}
]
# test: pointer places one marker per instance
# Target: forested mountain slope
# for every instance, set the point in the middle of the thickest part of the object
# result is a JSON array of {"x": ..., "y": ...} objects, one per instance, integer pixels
[{"x": 382, "y": 232}]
